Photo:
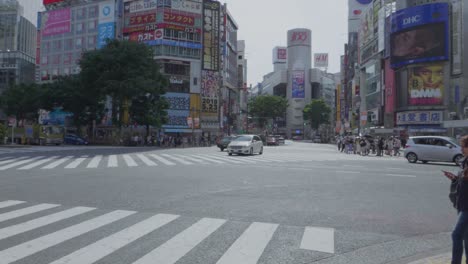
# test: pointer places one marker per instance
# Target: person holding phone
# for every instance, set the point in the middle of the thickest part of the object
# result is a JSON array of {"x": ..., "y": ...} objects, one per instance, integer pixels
[{"x": 460, "y": 232}]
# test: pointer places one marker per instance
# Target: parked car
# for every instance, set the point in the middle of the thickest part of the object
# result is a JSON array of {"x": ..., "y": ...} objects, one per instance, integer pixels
[
  {"x": 433, "y": 148},
  {"x": 272, "y": 141},
  {"x": 317, "y": 139},
  {"x": 280, "y": 139},
  {"x": 246, "y": 144},
  {"x": 74, "y": 140},
  {"x": 297, "y": 138},
  {"x": 224, "y": 142}
]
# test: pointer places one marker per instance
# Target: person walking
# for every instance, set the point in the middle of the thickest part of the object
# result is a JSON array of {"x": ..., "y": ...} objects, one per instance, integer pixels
[
  {"x": 396, "y": 146},
  {"x": 460, "y": 232}
]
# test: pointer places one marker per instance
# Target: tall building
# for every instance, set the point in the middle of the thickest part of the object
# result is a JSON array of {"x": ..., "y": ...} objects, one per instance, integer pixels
[
  {"x": 17, "y": 46},
  {"x": 31, "y": 8}
]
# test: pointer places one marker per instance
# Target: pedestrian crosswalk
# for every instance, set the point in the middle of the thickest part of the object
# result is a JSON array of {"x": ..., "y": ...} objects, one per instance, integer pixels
[{"x": 57, "y": 229}]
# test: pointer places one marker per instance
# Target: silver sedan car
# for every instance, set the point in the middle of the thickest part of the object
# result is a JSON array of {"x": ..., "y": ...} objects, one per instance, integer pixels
[
  {"x": 433, "y": 148},
  {"x": 245, "y": 144}
]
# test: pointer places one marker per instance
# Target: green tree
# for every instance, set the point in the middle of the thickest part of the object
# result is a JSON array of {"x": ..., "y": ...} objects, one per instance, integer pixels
[
  {"x": 127, "y": 72},
  {"x": 267, "y": 107},
  {"x": 3, "y": 132},
  {"x": 69, "y": 93},
  {"x": 22, "y": 101},
  {"x": 317, "y": 112}
]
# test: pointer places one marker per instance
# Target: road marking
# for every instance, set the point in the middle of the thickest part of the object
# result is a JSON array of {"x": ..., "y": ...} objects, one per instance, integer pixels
[
  {"x": 177, "y": 159},
  {"x": 197, "y": 159},
  {"x": 9, "y": 203},
  {"x": 33, "y": 246},
  {"x": 42, "y": 221},
  {"x": 249, "y": 247},
  {"x": 76, "y": 163},
  {"x": 57, "y": 163},
  {"x": 112, "y": 161},
  {"x": 227, "y": 159},
  {"x": 11, "y": 160},
  {"x": 349, "y": 172},
  {"x": 353, "y": 166},
  {"x": 175, "y": 248},
  {"x": 319, "y": 239},
  {"x": 146, "y": 160},
  {"x": 211, "y": 160},
  {"x": 130, "y": 161},
  {"x": 21, "y": 162},
  {"x": 243, "y": 159},
  {"x": 163, "y": 160},
  {"x": 37, "y": 163},
  {"x": 401, "y": 175},
  {"x": 94, "y": 163},
  {"x": 5, "y": 158},
  {"x": 106, "y": 246},
  {"x": 26, "y": 211}
]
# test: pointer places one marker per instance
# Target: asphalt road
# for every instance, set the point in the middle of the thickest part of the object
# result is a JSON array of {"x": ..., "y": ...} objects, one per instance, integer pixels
[{"x": 298, "y": 203}]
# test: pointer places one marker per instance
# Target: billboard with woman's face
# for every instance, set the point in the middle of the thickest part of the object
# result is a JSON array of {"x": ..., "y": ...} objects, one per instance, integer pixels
[
  {"x": 426, "y": 85},
  {"x": 420, "y": 34}
]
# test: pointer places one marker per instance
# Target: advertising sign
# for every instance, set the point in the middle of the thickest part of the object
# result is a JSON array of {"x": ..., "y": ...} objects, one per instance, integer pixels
[
  {"x": 188, "y": 6},
  {"x": 211, "y": 26},
  {"x": 419, "y": 117},
  {"x": 173, "y": 43},
  {"x": 48, "y": 2},
  {"x": 420, "y": 34},
  {"x": 299, "y": 37},
  {"x": 106, "y": 12},
  {"x": 381, "y": 29},
  {"x": 56, "y": 22},
  {"x": 140, "y": 19},
  {"x": 105, "y": 31},
  {"x": 178, "y": 18},
  {"x": 139, "y": 6},
  {"x": 298, "y": 84},
  {"x": 457, "y": 36},
  {"x": 426, "y": 85},
  {"x": 366, "y": 28},
  {"x": 356, "y": 8},
  {"x": 209, "y": 84},
  {"x": 321, "y": 60},
  {"x": 282, "y": 54}
]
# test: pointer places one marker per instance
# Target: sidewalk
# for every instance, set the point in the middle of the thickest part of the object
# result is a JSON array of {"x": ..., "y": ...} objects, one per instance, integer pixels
[{"x": 438, "y": 259}]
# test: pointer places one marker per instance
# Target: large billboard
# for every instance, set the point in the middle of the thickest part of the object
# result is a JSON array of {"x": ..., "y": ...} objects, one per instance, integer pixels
[
  {"x": 298, "y": 84},
  {"x": 55, "y": 22},
  {"x": 280, "y": 54},
  {"x": 211, "y": 26},
  {"x": 420, "y": 34},
  {"x": 426, "y": 85},
  {"x": 139, "y": 6},
  {"x": 106, "y": 26},
  {"x": 189, "y": 6},
  {"x": 48, "y": 2}
]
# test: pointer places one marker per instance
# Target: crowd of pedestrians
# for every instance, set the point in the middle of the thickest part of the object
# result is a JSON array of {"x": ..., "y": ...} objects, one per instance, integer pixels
[
  {"x": 366, "y": 145},
  {"x": 171, "y": 141}
]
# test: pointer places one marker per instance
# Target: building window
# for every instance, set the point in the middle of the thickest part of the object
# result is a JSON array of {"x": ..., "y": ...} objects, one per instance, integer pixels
[
  {"x": 57, "y": 45},
  {"x": 68, "y": 44},
  {"x": 67, "y": 58},
  {"x": 93, "y": 11},
  {"x": 92, "y": 25},
  {"x": 44, "y": 75},
  {"x": 44, "y": 60},
  {"x": 56, "y": 59},
  {"x": 45, "y": 47},
  {"x": 78, "y": 43},
  {"x": 91, "y": 42},
  {"x": 54, "y": 74},
  {"x": 66, "y": 71},
  {"x": 81, "y": 13},
  {"x": 79, "y": 28}
]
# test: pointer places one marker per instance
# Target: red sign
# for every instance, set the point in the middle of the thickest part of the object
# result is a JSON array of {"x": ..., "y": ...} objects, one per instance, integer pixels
[
  {"x": 299, "y": 36},
  {"x": 282, "y": 54},
  {"x": 142, "y": 19},
  {"x": 144, "y": 36},
  {"x": 158, "y": 33},
  {"x": 48, "y": 2},
  {"x": 179, "y": 18}
]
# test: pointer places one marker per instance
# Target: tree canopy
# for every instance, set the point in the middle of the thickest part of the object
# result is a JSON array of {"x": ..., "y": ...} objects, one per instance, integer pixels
[
  {"x": 267, "y": 107},
  {"x": 22, "y": 101},
  {"x": 317, "y": 112}
]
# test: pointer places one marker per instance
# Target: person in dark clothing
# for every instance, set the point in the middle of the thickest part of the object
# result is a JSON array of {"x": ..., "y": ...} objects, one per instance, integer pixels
[{"x": 460, "y": 232}]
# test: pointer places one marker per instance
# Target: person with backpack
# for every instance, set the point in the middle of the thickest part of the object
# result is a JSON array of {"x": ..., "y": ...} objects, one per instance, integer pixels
[{"x": 459, "y": 197}]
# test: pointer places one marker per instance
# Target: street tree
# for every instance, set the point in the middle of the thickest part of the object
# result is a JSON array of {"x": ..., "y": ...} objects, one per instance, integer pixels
[
  {"x": 22, "y": 101},
  {"x": 265, "y": 107},
  {"x": 127, "y": 72},
  {"x": 317, "y": 113}
]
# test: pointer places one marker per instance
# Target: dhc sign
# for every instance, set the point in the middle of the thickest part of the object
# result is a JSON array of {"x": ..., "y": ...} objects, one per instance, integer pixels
[{"x": 411, "y": 20}]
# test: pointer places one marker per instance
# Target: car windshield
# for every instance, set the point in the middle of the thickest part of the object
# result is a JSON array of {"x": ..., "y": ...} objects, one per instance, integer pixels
[{"x": 244, "y": 138}]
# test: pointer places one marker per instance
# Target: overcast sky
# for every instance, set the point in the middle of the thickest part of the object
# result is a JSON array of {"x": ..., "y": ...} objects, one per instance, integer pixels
[{"x": 263, "y": 24}]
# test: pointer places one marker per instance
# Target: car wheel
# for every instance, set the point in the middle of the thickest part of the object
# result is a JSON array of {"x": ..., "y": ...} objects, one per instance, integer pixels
[
  {"x": 424, "y": 161},
  {"x": 222, "y": 149},
  {"x": 412, "y": 157},
  {"x": 230, "y": 154},
  {"x": 261, "y": 151},
  {"x": 458, "y": 159},
  {"x": 251, "y": 151}
]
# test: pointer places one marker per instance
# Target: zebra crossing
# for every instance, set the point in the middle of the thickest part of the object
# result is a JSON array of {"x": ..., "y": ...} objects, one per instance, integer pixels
[{"x": 248, "y": 247}]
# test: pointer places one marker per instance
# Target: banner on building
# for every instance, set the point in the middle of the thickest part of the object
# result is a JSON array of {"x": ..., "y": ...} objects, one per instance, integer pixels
[
  {"x": 419, "y": 117},
  {"x": 56, "y": 22},
  {"x": 280, "y": 54},
  {"x": 211, "y": 26},
  {"x": 321, "y": 60},
  {"x": 298, "y": 84},
  {"x": 139, "y": 6},
  {"x": 179, "y": 18},
  {"x": 190, "y": 6},
  {"x": 457, "y": 36},
  {"x": 106, "y": 25},
  {"x": 426, "y": 84}
]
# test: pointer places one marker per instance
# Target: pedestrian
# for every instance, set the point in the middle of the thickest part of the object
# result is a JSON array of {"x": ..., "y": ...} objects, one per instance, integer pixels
[
  {"x": 460, "y": 232},
  {"x": 396, "y": 146},
  {"x": 380, "y": 146},
  {"x": 390, "y": 146}
]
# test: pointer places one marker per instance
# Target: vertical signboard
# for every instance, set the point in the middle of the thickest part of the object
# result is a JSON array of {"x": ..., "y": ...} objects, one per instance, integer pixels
[
  {"x": 426, "y": 84},
  {"x": 457, "y": 36},
  {"x": 106, "y": 26},
  {"x": 298, "y": 84},
  {"x": 389, "y": 88},
  {"x": 56, "y": 22},
  {"x": 211, "y": 27}
]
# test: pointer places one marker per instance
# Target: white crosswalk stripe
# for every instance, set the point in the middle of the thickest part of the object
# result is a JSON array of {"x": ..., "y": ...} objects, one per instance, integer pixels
[
  {"x": 248, "y": 247},
  {"x": 94, "y": 163},
  {"x": 33, "y": 246},
  {"x": 112, "y": 162},
  {"x": 75, "y": 163},
  {"x": 37, "y": 163},
  {"x": 129, "y": 160},
  {"x": 178, "y": 246},
  {"x": 210, "y": 160},
  {"x": 18, "y": 163},
  {"x": 226, "y": 159},
  {"x": 194, "y": 159},
  {"x": 146, "y": 160},
  {"x": 177, "y": 159},
  {"x": 57, "y": 163},
  {"x": 162, "y": 160},
  {"x": 106, "y": 246}
]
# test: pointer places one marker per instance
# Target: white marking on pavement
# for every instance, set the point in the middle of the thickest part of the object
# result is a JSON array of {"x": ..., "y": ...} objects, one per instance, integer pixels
[
  {"x": 319, "y": 239},
  {"x": 197, "y": 159},
  {"x": 33, "y": 246},
  {"x": 9, "y": 203},
  {"x": 112, "y": 161},
  {"x": 26, "y": 211},
  {"x": 249, "y": 247},
  {"x": 42, "y": 221},
  {"x": 174, "y": 249},
  {"x": 21, "y": 162},
  {"x": 223, "y": 159},
  {"x": 130, "y": 161},
  {"x": 177, "y": 159},
  {"x": 401, "y": 175},
  {"x": 76, "y": 163},
  {"x": 4, "y": 158},
  {"x": 11, "y": 160},
  {"x": 353, "y": 166},
  {"x": 94, "y": 163},
  {"x": 350, "y": 172},
  {"x": 243, "y": 159},
  {"x": 37, "y": 163},
  {"x": 106, "y": 246},
  {"x": 210, "y": 160},
  {"x": 146, "y": 160},
  {"x": 57, "y": 163},
  {"x": 163, "y": 160}
]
